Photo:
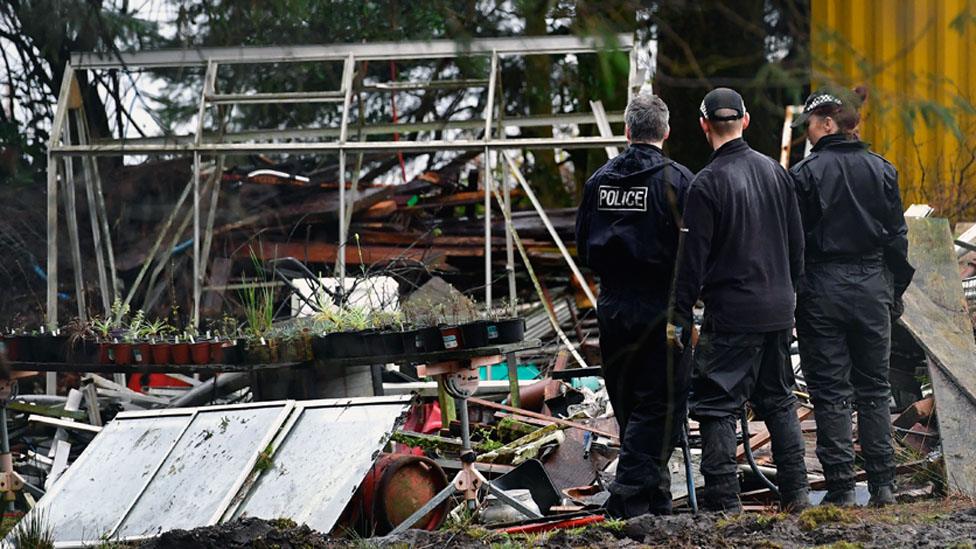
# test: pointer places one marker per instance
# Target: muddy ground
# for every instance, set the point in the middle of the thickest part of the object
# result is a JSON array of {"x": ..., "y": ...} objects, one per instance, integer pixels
[{"x": 931, "y": 523}]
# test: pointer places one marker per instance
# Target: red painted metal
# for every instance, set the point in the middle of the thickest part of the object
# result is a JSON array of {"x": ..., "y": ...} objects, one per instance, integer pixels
[
  {"x": 396, "y": 486},
  {"x": 547, "y": 526}
]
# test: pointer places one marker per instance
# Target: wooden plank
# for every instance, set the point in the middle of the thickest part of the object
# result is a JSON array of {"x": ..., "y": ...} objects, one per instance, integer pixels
[
  {"x": 762, "y": 437},
  {"x": 936, "y": 315}
]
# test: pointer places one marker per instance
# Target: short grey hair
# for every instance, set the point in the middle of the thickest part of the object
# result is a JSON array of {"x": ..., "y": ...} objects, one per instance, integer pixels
[{"x": 647, "y": 118}]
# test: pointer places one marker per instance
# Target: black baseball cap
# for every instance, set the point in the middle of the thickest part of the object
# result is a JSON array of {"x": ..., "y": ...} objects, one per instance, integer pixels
[
  {"x": 837, "y": 97},
  {"x": 722, "y": 98}
]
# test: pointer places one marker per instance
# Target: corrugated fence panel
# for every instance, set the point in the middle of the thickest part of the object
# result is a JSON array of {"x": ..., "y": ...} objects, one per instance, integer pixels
[{"x": 917, "y": 59}]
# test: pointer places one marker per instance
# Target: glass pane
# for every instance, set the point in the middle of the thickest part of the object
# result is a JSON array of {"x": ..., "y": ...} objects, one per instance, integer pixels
[
  {"x": 320, "y": 464},
  {"x": 93, "y": 494},
  {"x": 201, "y": 471}
]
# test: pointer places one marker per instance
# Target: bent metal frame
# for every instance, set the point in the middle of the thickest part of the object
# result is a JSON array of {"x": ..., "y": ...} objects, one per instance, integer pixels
[{"x": 61, "y": 151}]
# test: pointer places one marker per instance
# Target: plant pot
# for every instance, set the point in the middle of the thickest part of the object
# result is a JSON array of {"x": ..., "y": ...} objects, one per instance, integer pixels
[
  {"x": 503, "y": 332},
  {"x": 11, "y": 345},
  {"x": 105, "y": 354},
  {"x": 474, "y": 334},
  {"x": 256, "y": 353},
  {"x": 229, "y": 352},
  {"x": 180, "y": 353},
  {"x": 161, "y": 353},
  {"x": 346, "y": 344},
  {"x": 217, "y": 352},
  {"x": 142, "y": 353},
  {"x": 122, "y": 353},
  {"x": 383, "y": 343},
  {"x": 83, "y": 351},
  {"x": 413, "y": 341},
  {"x": 451, "y": 337},
  {"x": 430, "y": 339},
  {"x": 297, "y": 349},
  {"x": 200, "y": 352},
  {"x": 46, "y": 348},
  {"x": 321, "y": 347}
]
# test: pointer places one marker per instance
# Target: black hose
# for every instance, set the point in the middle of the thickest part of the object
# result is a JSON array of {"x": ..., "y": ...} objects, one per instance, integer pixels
[
  {"x": 689, "y": 477},
  {"x": 750, "y": 458}
]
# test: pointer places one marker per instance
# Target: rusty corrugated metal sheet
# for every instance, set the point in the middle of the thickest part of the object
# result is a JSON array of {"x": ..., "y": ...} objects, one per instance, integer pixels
[{"x": 918, "y": 58}]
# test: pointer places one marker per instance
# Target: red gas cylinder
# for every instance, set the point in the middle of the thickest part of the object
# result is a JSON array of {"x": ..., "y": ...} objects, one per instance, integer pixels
[{"x": 396, "y": 486}]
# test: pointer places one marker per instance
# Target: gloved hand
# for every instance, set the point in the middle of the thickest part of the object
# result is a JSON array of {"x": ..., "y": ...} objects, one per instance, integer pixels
[
  {"x": 897, "y": 308},
  {"x": 674, "y": 337}
]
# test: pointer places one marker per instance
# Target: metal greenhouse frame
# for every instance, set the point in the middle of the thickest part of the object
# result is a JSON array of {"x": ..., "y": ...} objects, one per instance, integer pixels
[{"x": 328, "y": 140}]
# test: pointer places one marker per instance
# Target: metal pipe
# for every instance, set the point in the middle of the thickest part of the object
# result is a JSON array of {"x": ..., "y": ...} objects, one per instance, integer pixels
[
  {"x": 219, "y": 386},
  {"x": 552, "y": 230},
  {"x": 531, "y": 121},
  {"x": 280, "y": 97},
  {"x": 340, "y": 266},
  {"x": 489, "y": 112},
  {"x": 89, "y": 167},
  {"x": 196, "y": 240},
  {"x": 376, "y": 51},
  {"x": 57, "y": 125},
  {"x": 120, "y": 148},
  {"x": 71, "y": 218}
]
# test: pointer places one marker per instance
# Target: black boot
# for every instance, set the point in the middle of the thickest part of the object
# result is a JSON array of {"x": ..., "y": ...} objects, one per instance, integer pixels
[
  {"x": 874, "y": 434},
  {"x": 840, "y": 485},
  {"x": 788, "y": 452},
  {"x": 719, "y": 466},
  {"x": 835, "y": 450}
]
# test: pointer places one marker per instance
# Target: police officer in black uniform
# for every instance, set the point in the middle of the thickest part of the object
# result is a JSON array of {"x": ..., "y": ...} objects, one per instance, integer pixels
[
  {"x": 627, "y": 232},
  {"x": 857, "y": 270},
  {"x": 743, "y": 254}
]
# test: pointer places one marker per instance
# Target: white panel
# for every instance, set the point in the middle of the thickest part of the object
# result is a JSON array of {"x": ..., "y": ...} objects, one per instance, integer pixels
[
  {"x": 205, "y": 465},
  {"x": 91, "y": 496},
  {"x": 321, "y": 462}
]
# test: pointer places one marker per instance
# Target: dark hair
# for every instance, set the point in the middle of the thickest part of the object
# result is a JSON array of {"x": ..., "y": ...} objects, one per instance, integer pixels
[
  {"x": 724, "y": 128},
  {"x": 847, "y": 117}
]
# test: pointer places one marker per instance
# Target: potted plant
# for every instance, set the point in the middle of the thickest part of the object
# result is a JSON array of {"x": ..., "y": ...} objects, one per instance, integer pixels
[
  {"x": 12, "y": 346},
  {"x": 180, "y": 350},
  {"x": 348, "y": 340},
  {"x": 155, "y": 334},
  {"x": 81, "y": 346},
  {"x": 386, "y": 337},
  {"x": 258, "y": 302},
  {"x": 102, "y": 328},
  {"x": 200, "y": 347}
]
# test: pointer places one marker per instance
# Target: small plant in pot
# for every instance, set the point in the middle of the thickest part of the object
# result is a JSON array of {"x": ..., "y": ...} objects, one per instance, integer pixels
[
  {"x": 348, "y": 340},
  {"x": 200, "y": 347},
  {"x": 387, "y": 339},
  {"x": 135, "y": 334},
  {"x": 82, "y": 347},
  {"x": 180, "y": 350},
  {"x": 155, "y": 333},
  {"x": 102, "y": 328}
]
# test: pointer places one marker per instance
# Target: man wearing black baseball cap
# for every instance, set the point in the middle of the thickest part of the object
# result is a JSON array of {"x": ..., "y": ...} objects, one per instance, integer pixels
[
  {"x": 743, "y": 255},
  {"x": 857, "y": 269}
]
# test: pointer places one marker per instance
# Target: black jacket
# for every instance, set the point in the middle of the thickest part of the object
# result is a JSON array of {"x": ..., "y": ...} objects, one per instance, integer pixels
[
  {"x": 627, "y": 222},
  {"x": 744, "y": 248},
  {"x": 851, "y": 208}
]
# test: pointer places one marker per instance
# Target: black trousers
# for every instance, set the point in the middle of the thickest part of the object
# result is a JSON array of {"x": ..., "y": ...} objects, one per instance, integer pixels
[
  {"x": 730, "y": 370},
  {"x": 647, "y": 385},
  {"x": 843, "y": 322}
]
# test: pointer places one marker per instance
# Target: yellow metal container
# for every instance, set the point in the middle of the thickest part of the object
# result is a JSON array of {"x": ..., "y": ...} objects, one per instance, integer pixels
[{"x": 918, "y": 60}]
